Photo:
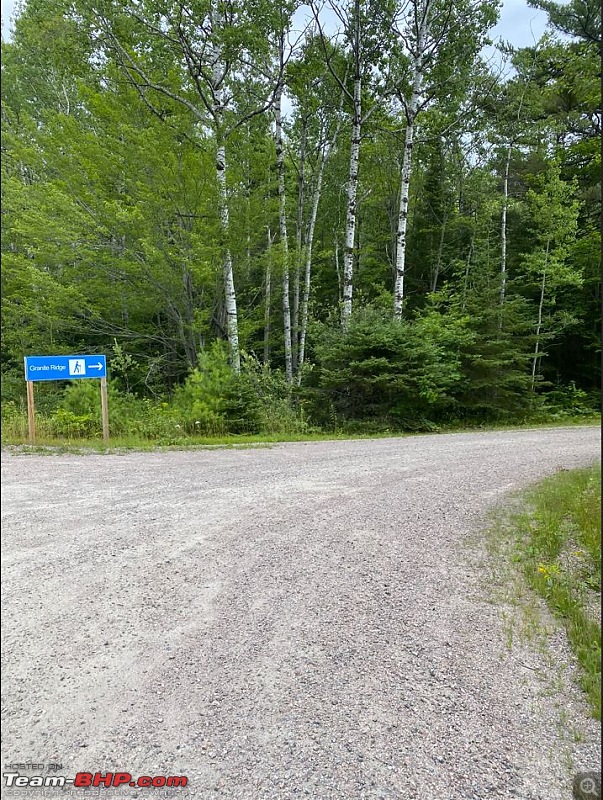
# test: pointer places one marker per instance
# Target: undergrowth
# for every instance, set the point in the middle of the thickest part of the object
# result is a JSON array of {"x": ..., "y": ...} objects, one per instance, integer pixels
[{"x": 556, "y": 542}]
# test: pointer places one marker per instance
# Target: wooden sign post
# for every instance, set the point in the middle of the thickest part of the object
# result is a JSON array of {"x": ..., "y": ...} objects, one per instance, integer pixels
[
  {"x": 31, "y": 413},
  {"x": 105, "y": 409}
]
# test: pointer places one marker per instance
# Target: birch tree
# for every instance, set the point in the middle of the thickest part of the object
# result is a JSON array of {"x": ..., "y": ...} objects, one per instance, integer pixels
[
  {"x": 325, "y": 148},
  {"x": 318, "y": 121},
  {"x": 139, "y": 151},
  {"x": 213, "y": 57},
  {"x": 517, "y": 103},
  {"x": 306, "y": 76},
  {"x": 366, "y": 27},
  {"x": 282, "y": 58},
  {"x": 439, "y": 42}
]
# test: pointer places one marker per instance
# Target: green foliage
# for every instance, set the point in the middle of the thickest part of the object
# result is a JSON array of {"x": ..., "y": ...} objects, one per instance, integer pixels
[
  {"x": 401, "y": 373},
  {"x": 579, "y": 18},
  {"x": 122, "y": 365},
  {"x": 212, "y": 397},
  {"x": 567, "y": 402},
  {"x": 79, "y": 414},
  {"x": 214, "y": 400},
  {"x": 112, "y": 240},
  {"x": 278, "y": 410},
  {"x": 66, "y": 423},
  {"x": 495, "y": 359}
]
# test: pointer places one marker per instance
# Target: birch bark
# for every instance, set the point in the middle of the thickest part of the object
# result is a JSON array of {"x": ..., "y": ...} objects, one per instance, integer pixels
[
  {"x": 282, "y": 218},
  {"x": 267, "y": 299},
  {"x": 366, "y": 29},
  {"x": 421, "y": 28},
  {"x": 301, "y": 190},
  {"x": 307, "y": 274},
  {"x": 540, "y": 310},
  {"x": 405, "y": 193},
  {"x": 351, "y": 214},
  {"x": 309, "y": 244},
  {"x": 503, "y": 228},
  {"x": 230, "y": 298},
  {"x": 218, "y": 76}
]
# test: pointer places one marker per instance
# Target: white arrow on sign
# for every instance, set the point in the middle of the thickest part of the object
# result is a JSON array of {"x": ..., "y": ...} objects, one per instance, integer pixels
[{"x": 95, "y": 366}]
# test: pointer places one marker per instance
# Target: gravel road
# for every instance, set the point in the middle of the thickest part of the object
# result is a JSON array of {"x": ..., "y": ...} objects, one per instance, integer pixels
[{"x": 305, "y": 620}]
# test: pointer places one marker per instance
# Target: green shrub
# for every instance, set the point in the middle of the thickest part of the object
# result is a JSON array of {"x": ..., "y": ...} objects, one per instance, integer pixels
[
  {"x": 65, "y": 423},
  {"x": 396, "y": 373},
  {"x": 128, "y": 415},
  {"x": 569, "y": 401},
  {"x": 214, "y": 401},
  {"x": 276, "y": 408},
  {"x": 208, "y": 396},
  {"x": 14, "y": 420}
]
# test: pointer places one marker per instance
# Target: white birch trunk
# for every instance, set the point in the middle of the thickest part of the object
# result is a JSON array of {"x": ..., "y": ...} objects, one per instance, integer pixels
[
  {"x": 301, "y": 190},
  {"x": 352, "y": 203},
  {"x": 230, "y": 297},
  {"x": 351, "y": 214},
  {"x": 539, "y": 324},
  {"x": 267, "y": 300},
  {"x": 403, "y": 212},
  {"x": 503, "y": 229},
  {"x": 308, "y": 269},
  {"x": 282, "y": 219},
  {"x": 412, "y": 110}
]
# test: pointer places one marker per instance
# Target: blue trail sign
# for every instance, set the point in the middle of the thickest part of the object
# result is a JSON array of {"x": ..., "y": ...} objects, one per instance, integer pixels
[{"x": 64, "y": 368}]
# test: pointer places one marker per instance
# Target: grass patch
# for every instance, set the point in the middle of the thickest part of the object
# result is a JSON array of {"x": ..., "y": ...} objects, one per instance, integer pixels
[
  {"x": 556, "y": 542},
  {"x": 47, "y": 444},
  {"x": 15, "y": 437}
]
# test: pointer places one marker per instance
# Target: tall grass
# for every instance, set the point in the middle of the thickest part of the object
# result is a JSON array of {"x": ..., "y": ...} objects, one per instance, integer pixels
[{"x": 558, "y": 545}]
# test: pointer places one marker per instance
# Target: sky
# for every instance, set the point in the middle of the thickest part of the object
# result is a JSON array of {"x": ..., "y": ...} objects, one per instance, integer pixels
[{"x": 519, "y": 24}]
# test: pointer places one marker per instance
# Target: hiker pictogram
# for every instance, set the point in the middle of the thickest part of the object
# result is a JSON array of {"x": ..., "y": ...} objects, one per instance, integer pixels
[{"x": 77, "y": 366}]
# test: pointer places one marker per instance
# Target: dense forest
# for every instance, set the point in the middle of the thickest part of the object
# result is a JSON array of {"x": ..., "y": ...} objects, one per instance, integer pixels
[{"x": 283, "y": 217}]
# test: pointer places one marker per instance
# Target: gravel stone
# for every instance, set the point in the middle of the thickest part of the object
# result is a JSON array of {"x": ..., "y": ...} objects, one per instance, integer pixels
[{"x": 306, "y": 620}]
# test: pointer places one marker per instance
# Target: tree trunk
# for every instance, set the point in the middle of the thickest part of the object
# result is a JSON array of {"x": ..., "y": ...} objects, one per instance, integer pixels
[
  {"x": 412, "y": 109},
  {"x": 230, "y": 297},
  {"x": 467, "y": 270},
  {"x": 308, "y": 269},
  {"x": 438, "y": 264},
  {"x": 536, "y": 358},
  {"x": 267, "y": 299},
  {"x": 503, "y": 229},
  {"x": 403, "y": 213},
  {"x": 301, "y": 190},
  {"x": 282, "y": 219},
  {"x": 351, "y": 214}
]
